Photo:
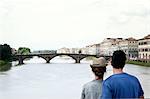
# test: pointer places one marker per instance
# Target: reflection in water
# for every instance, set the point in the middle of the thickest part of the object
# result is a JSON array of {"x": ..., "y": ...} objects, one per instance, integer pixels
[
  {"x": 3, "y": 73},
  {"x": 6, "y": 66},
  {"x": 38, "y": 80}
]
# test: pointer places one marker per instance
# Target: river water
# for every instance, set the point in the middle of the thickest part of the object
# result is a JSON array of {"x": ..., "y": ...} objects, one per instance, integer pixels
[{"x": 61, "y": 79}]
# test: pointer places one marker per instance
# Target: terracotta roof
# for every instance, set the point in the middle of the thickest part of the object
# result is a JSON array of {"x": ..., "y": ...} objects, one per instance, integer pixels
[
  {"x": 131, "y": 39},
  {"x": 146, "y": 37}
]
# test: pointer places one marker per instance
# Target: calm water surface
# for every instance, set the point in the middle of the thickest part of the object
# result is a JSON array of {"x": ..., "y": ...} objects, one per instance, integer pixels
[{"x": 62, "y": 79}]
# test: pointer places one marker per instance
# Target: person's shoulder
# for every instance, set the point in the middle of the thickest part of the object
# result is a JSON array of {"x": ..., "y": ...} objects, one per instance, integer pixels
[
  {"x": 107, "y": 80},
  {"x": 132, "y": 76},
  {"x": 91, "y": 83},
  {"x": 114, "y": 77},
  {"x": 87, "y": 84}
]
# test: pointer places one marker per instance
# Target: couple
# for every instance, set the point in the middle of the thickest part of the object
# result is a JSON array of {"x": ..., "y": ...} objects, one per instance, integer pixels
[{"x": 119, "y": 85}]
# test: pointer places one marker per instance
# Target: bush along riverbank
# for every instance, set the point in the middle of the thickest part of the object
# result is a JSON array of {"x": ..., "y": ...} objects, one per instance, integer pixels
[
  {"x": 4, "y": 66},
  {"x": 138, "y": 63}
]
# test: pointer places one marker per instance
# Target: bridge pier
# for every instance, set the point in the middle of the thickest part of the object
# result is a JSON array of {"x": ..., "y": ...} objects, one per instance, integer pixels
[
  {"x": 20, "y": 61},
  {"x": 47, "y": 57},
  {"x": 77, "y": 61},
  {"x": 47, "y": 61}
]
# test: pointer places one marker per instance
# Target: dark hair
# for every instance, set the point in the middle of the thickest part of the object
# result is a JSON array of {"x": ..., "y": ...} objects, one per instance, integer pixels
[
  {"x": 99, "y": 71},
  {"x": 118, "y": 59}
]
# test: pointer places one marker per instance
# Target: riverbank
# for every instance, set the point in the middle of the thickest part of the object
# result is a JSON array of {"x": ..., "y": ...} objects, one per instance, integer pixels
[
  {"x": 138, "y": 63},
  {"x": 4, "y": 65}
]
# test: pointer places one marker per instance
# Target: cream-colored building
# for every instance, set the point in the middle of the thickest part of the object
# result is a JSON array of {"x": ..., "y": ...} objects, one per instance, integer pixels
[
  {"x": 93, "y": 49},
  {"x": 84, "y": 50},
  {"x": 105, "y": 46},
  {"x": 144, "y": 48},
  {"x": 109, "y": 45},
  {"x": 63, "y": 50},
  {"x": 113, "y": 48},
  {"x": 98, "y": 48},
  {"x": 130, "y": 47},
  {"x": 74, "y": 50}
]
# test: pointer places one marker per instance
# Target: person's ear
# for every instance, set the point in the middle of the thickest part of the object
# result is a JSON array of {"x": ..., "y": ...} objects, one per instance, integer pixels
[{"x": 111, "y": 60}]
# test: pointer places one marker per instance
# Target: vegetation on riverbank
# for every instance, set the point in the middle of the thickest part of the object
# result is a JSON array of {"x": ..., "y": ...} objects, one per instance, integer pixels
[
  {"x": 5, "y": 52},
  {"x": 138, "y": 63},
  {"x": 5, "y": 57},
  {"x": 4, "y": 65}
]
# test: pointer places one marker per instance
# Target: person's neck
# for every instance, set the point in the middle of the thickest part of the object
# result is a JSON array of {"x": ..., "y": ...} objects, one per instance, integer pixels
[
  {"x": 117, "y": 71},
  {"x": 97, "y": 78}
]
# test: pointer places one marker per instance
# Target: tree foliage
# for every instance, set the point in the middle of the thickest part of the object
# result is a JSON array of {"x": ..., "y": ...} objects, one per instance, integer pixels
[
  {"x": 5, "y": 52},
  {"x": 24, "y": 50}
]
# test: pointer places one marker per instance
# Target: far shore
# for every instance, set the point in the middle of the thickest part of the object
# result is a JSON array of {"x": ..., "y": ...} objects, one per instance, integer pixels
[{"x": 138, "y": 63}]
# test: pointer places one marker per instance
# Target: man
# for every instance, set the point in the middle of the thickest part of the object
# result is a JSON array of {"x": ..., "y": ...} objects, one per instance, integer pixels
[
  {"x": 121, "y": 85},
  {"x": 92, "y": 89}
]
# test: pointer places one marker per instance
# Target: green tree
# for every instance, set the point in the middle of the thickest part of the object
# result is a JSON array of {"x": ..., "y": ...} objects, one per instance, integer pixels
[
  {"x": 24, "y": 50},
  {"x": 5, "y": 52}
]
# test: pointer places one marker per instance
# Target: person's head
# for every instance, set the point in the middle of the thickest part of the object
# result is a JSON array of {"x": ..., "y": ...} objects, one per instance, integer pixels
[
  {"x": 118, "y": 59},
  {"x": 99, "y": 66}
]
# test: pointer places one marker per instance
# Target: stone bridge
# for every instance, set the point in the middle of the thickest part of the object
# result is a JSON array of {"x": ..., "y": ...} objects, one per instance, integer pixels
[{"x": 48, "y": 57}]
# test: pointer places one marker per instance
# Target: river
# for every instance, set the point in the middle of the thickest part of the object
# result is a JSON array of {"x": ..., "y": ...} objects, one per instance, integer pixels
[{"x": 61, "y": 79}]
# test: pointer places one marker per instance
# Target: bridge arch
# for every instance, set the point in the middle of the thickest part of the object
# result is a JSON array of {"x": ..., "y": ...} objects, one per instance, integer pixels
[
  {"x": 48, "y": 58},
  {"x": 63, "y": 56},
  {"x": 21, "y": 58},
  {"x": 87, "y": 57}
]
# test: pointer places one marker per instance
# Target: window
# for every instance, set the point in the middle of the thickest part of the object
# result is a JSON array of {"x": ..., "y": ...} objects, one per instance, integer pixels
[
  {"x": 145, "y": 43},
  {"x": 139, "y": 55},
  {"x": 146, "y": 56},
  {"x": 139, "y": 43},
  {"x": 142, "y": 50},
  {"x": 146, "y": 50}
]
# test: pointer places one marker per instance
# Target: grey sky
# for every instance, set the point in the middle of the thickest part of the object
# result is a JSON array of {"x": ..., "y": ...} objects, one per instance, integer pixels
[{"x": 52, "y": 24}]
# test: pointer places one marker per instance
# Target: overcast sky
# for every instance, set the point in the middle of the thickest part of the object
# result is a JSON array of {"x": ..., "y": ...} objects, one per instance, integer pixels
[{"x": 52, "y": 24}]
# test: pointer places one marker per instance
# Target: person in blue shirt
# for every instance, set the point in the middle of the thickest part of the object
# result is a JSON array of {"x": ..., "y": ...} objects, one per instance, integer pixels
[{"x": 121, "y": 85}]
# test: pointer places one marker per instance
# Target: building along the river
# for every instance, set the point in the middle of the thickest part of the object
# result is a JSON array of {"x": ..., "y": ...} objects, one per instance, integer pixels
[
  {"x": 109, "y": 45},
  {"x": 106, "y": 45},
  {"x": 130, "y": 47},
  {"x": 93, "y": 49},
  {"x": 75, "y": 50},
  {"x": 144, "y": 49},
  {"x": 63, "y": 50}
]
